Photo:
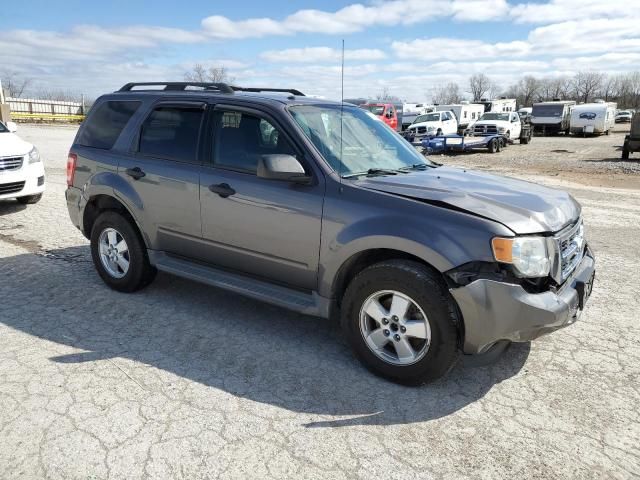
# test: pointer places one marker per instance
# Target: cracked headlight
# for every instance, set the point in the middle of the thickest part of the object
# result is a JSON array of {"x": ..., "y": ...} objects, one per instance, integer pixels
[
  {"x": 34, "y": 155},
  {"x": 529, "y": 255}
]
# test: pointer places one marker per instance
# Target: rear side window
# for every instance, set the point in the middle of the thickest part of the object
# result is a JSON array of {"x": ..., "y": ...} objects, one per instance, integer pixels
[
  {"x": 105, "y": 124},
  {"x": 172, "y": 132}
]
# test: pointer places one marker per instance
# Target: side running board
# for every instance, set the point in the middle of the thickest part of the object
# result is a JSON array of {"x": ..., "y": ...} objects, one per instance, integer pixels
[{"x": 307, "y": 303}]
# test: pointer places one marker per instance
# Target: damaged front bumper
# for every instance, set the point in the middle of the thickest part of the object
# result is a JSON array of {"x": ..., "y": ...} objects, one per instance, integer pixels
[{"x": 495, "y": 311}]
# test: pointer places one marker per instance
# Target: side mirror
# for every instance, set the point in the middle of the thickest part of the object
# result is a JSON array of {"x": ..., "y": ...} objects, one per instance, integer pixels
[
  {"x": 282, "y": 167},
  {"x": 12, "y": 127}
]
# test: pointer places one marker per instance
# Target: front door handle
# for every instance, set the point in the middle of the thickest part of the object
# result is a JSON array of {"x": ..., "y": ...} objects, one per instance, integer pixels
[
  {"x": 223, "y": 189},
  {"x": 136, "y": 173}
]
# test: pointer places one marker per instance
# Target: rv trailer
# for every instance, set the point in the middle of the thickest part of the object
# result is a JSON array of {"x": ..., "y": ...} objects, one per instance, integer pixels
[
  {"x": 499, "y": 105},
  {"x": 552, "y": 117},
  {"x": 593, "y": 118}
]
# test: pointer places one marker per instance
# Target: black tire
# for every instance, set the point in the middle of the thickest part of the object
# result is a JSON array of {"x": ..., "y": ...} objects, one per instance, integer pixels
[
  {"x": 625, "y": 153},
  {"x": 423, "y": 286},
  {"x": 140, "y": 272},
  {"x": 508, "y": 134},
  {"x": 493, "y": 146},
  {"x": 439, "y": 132},
  {"x": 525, "y": 140},
  {"x": 30, "y": 199}
]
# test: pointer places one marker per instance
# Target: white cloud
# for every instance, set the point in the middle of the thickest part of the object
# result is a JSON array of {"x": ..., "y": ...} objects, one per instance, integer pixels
[
  {"x": 356, "y": 17},
  {"x": 320, "y": 54},
  {"x": 458, "y": 49},
  {"x": 562, "y": 10}
]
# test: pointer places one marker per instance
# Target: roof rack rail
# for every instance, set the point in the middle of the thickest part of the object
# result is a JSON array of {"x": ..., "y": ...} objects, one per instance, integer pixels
[
  {"x": 179, "y": 86},
  {"x": 292, "y": 91}
]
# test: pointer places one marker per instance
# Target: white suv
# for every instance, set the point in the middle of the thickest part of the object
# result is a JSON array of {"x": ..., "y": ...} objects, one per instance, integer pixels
[{"x": 21, "y": 169}]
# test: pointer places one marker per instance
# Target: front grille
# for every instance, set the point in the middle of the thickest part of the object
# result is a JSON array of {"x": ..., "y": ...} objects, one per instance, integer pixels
[
  {"x": 422, "y": 129},
  {"x": 571, "y": 243},
  {"x": 485, "y": 129},
  {"x": 10, "y": 163},
  {"x": 15, "y": 187}
]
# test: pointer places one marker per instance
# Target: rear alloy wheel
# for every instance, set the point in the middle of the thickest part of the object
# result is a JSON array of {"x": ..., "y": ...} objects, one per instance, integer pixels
[
  {"x": 401, "y": 322},
  {"x": 119, "y": 254}
]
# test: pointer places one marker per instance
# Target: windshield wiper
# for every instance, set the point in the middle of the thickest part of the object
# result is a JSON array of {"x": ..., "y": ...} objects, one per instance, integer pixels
[
  {"x": 420, "y": 166},
  {"x": 374, "y": 171}
]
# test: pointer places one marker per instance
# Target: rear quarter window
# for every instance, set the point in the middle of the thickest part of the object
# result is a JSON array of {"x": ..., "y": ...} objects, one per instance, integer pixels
[{"x": 104, "y": 125}]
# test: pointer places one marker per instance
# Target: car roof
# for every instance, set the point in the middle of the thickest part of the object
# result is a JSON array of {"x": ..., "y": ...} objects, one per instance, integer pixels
[{"x": 264, "y": 98}]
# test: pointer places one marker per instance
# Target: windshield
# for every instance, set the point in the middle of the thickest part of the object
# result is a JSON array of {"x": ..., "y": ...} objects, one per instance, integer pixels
[
  {"x": 547, "y": 110},
  {"x": 495, "y": 116},
  {"x": 3, "y": 129},
  {"x": 429, "y": 117},
  {"x": 366, "y": 143},
  {"x": 375, "y": 109},
  {"x": 624, "y": 112}
]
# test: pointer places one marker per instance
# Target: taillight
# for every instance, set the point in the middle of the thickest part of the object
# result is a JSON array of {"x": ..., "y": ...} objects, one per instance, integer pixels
[{"x": 71, "y": 168}]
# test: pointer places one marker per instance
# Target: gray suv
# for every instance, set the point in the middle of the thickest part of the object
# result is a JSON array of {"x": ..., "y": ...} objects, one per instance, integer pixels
[{"x": 318, "y": 207}]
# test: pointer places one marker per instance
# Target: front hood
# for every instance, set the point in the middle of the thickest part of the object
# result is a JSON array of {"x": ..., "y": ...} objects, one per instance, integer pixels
[
  {"x": 425, "y": 124},
  {"x": 12, "y": 145},
  {"x": 498, "y": 123},
  {"x": 523, "y": 207}
]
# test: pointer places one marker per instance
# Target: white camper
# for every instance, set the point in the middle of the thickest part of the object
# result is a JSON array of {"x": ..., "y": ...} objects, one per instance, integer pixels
[
  {"x": 552, "y": 117},
  {"x": 593, "y": 118},
  {"x": 499, "y": 105},
  {"x": 466, "y": 113}
]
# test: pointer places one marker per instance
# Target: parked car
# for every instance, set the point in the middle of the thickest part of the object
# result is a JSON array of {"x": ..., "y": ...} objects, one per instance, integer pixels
[
  {"x": 592, "y": 118},
  {"x": 21, "y": 168},
  {"x": 434, "y": 123},
  {"x": 623, "y": 116},
  {"x": 389, "y": 113},
  {"x": 552, "y": 117},
  {"x": 466, "y": 113},
  {"x": 507, "y": 124},
  {"x": 632, "y": 141},
  {"x": 335, "y": 215}
]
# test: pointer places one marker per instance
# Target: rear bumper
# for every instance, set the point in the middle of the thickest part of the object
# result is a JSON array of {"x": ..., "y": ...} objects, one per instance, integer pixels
[
  {"x": 73, "y": 196},
  {"x": 494, "y": 311}
]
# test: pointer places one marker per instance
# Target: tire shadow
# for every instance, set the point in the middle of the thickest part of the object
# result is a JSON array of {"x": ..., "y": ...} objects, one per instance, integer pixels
[{"x": 226, "y": 342}]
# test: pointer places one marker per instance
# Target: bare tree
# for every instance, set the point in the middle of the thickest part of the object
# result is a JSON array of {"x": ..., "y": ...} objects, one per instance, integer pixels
[
  {"x": 384, "y": 95},
  {"x": 201, "y": 74},
  {"x": 524, "y": 91},
  {"x": 479, "y": 86},
  {"x": 587, "y": 84},
  {"x": 447, "y": 94},
  {"x": 552, "y": 88},
  {"x": 14, "y": 84}
]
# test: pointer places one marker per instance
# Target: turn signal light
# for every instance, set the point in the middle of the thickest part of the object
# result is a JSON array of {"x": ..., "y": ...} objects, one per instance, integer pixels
[{"x": 502, "y": 249}]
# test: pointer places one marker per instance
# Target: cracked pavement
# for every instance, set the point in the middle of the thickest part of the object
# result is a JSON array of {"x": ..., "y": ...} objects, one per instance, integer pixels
[{"x": 186, "y": 381}]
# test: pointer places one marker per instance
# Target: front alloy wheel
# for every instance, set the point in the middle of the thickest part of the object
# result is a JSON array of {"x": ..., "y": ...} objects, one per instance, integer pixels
[{"x": 395, "y": 328}]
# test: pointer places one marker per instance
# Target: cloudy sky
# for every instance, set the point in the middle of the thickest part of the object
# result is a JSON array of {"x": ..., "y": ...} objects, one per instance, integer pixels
[{"x": 409, "y": 46}]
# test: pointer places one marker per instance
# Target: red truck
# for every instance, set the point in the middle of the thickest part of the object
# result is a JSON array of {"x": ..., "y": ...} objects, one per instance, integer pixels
[{"x": 389, "y": 113}]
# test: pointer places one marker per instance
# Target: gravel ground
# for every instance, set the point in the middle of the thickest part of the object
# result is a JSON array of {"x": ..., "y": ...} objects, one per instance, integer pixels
[{"x": 186, "y": 381}]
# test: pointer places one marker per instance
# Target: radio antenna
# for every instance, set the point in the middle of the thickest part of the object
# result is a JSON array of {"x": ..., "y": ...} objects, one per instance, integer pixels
[{"x": 341, "y": 110}]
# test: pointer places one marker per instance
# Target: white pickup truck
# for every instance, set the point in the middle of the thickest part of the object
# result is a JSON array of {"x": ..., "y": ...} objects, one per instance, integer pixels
[
  {"x": 507, "y": 124},
  {"x": 433, "y": 124}
]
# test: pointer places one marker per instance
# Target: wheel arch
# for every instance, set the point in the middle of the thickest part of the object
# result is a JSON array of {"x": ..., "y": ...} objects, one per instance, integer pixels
[{"x": 102, "y": 202}]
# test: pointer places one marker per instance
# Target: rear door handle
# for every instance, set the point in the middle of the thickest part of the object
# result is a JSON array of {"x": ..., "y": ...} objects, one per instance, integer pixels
[
  {"x": 222, "y": 189},
  {"x": 136, "y": 173}
]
